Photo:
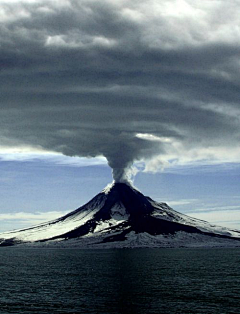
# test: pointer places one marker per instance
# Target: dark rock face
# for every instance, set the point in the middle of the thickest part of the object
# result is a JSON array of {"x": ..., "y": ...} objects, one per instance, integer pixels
[{"x": 136, "y": 204}]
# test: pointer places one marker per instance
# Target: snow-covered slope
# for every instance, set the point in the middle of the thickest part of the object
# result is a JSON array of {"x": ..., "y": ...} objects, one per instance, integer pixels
[{"x": 120, "y": 216}]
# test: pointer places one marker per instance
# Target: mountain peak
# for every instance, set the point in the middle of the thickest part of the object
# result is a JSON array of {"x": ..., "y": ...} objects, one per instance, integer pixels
[
  {"x": 122, "y": 214},
  {"x": 117, "y": 186},
  {"x": 135, "y": 203}
]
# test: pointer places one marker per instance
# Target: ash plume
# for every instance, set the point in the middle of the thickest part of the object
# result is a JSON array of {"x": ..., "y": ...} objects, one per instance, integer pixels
[
  {"x": 123, "y": 150},
  {"x": 83, "y": 78},
  {"x": 120, "y": 175}
]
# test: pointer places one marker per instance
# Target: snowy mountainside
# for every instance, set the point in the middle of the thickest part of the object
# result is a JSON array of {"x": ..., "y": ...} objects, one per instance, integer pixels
[{"x": 121, "y": 216}]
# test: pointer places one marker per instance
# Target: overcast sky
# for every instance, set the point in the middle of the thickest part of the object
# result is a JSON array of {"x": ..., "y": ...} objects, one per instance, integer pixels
[{"x": 154, "y": 83}]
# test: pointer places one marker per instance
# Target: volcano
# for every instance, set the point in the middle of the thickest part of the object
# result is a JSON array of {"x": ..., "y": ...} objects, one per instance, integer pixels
[{"x": 121, "y": 216}]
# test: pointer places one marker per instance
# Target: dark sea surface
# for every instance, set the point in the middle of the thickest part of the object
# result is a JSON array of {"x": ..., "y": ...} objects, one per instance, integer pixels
[{"x": 119, "y": 281}]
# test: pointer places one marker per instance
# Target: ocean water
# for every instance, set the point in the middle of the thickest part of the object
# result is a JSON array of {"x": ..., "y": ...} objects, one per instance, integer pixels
[{"x": 119, "y": 281}]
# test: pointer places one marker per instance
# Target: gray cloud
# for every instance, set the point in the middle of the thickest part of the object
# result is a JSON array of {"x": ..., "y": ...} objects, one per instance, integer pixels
[{"x": 84, "y": 77}]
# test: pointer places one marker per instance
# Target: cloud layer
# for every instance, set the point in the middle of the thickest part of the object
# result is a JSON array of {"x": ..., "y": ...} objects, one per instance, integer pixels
[
  {"x": 129, "y": 80},
  {"x": 23, "y": 220}
]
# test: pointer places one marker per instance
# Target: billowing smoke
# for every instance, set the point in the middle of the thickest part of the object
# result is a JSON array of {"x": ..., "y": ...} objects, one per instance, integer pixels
[
  {"x": 120, "y": 175},
  {"x": 125, "y": 175},
  {"x": 126, "y": 148},
  {"x": 83, "y": 78}
]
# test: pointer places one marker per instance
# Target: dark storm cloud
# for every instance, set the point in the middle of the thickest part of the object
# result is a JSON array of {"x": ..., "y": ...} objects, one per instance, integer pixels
[{"x": 85, "y": 77}]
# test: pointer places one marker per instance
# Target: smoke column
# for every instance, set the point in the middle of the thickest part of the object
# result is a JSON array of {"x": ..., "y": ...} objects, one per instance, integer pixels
[
  {"x": 121, "y": 175},
  {"x": 123, "y": 151}
]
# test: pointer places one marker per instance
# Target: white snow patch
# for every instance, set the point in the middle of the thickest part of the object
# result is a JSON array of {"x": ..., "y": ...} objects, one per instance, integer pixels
[
  {"x": 163, "y": 211},
  {"x": 104, "y": 226},
  {"x": 118, "y": 212},
  {"x": 56, "y": 227}
]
